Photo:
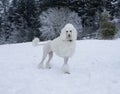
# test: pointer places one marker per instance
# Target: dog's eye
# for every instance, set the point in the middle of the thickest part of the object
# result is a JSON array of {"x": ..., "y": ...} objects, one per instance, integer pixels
[
  {"x": 66, "y": 31},
  {"x": 70, "y": 31}
]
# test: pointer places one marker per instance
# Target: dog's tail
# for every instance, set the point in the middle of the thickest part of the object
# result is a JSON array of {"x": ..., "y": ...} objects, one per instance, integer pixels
[{"x": 36, "y": 42}]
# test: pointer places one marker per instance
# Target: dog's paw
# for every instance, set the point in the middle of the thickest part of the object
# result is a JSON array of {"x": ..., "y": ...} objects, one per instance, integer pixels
[
  {"x": 66, "y": 72},
  {"x": 48, "y": 66},
  {"x": 40, "y": 66},
  {"x": 65, "y": 69}
]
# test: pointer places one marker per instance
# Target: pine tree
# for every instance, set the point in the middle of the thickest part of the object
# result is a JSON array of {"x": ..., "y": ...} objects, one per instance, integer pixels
[
  {"x": 5, "y": 25},
  {"x": 23, "y": 16}
]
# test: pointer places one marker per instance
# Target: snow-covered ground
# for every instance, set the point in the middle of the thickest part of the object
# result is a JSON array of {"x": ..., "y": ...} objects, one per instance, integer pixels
[{"x": 95, "y": 69}]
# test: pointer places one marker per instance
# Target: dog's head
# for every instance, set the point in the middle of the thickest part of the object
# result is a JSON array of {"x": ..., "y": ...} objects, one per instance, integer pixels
[{"x": 69, "y": 33}]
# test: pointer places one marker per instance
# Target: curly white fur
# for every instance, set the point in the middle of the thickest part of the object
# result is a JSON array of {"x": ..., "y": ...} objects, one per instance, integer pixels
[
  {"x": 35, "y": 41},
  {"x": 63, "y": 46}
]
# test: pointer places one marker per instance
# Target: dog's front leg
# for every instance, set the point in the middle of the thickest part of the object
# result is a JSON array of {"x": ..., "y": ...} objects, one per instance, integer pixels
[{"x": 65, "y": 66}]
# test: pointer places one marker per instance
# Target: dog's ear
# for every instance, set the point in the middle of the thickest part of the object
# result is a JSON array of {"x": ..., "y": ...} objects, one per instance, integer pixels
[
  {"x": 74, "y": 33},
  {"x": 63, "y": 34}
]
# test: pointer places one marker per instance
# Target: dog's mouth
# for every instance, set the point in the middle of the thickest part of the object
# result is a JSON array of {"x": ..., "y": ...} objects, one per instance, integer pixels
[{"x": 70, "y": 40}]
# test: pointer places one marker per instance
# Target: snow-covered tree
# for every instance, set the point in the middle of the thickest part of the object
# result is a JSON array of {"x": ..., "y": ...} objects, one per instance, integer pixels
[
  {"x": 23, "y": 16},
  {"x": 116, "y": 21},
  {"x": 4, "y": 25},
  {"x": 54, "y": 19}
]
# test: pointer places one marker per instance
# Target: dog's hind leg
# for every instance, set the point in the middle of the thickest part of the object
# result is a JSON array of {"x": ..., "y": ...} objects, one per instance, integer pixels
[
  {"x": 43, "y": 58},
  {"x": 45, "y": 53},
  {"x": 48, "y": 62},
  {"x": 65, "y": 66}
]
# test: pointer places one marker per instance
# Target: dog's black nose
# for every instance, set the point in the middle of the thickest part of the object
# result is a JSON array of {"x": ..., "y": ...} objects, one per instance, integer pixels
[{"x": 69, "y": 35}]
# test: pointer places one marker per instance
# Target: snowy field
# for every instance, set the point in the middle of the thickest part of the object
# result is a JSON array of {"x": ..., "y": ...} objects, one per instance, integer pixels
[{"x": 95, "y": 69}]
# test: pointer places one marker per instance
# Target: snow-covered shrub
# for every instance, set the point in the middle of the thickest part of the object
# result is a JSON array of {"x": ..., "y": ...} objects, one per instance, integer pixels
[
  {"x": 54, "y": 19},
  {"x": 108, "y": 29}
]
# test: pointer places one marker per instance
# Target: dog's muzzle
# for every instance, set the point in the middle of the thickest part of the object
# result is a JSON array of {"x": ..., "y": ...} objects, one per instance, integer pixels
[{"x": 70, "y": 40}]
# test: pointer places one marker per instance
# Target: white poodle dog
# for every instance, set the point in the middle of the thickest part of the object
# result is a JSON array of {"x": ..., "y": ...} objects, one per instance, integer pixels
[{"x": 63, "y": 46}]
